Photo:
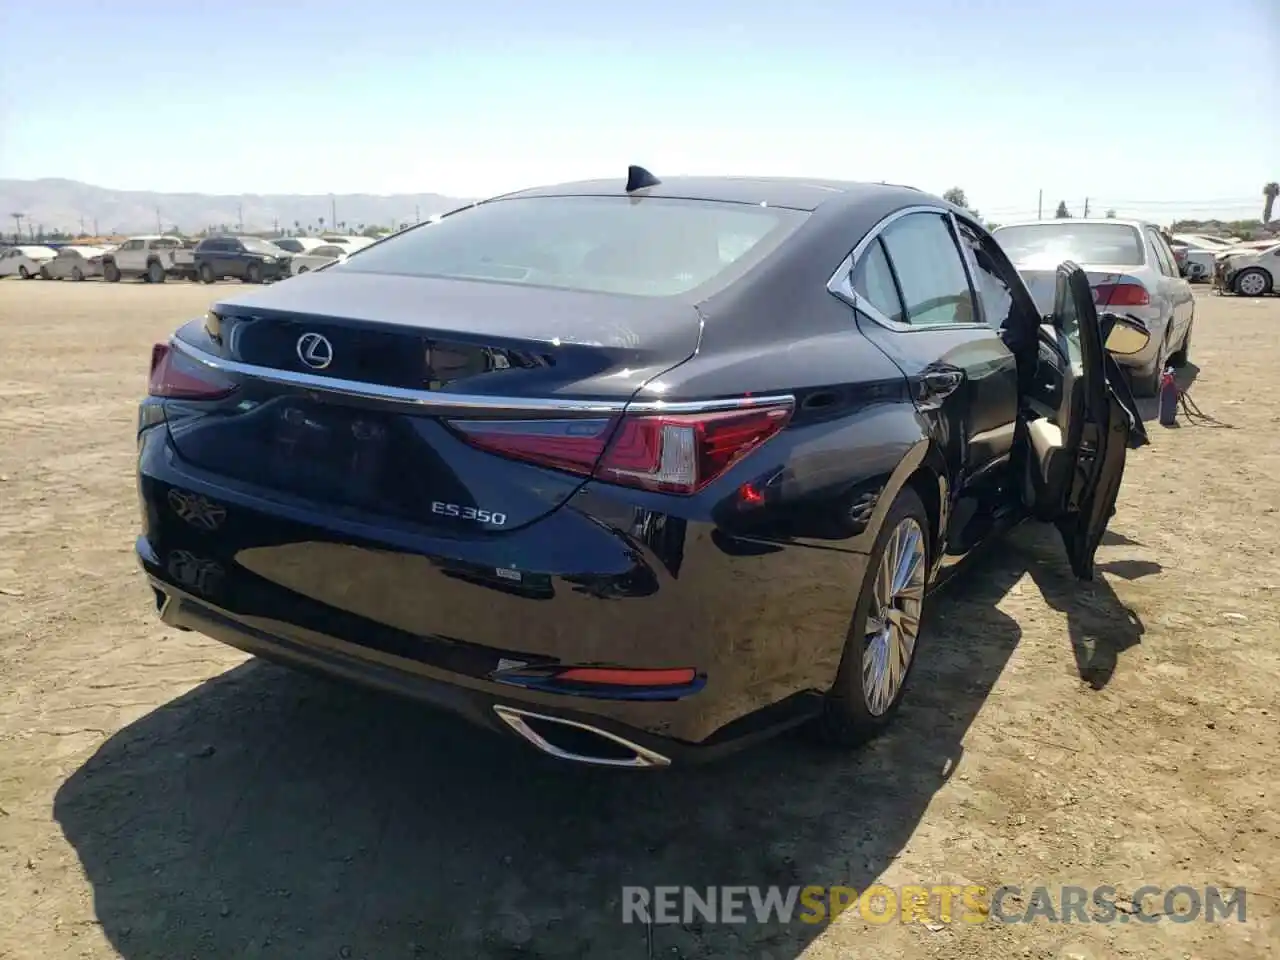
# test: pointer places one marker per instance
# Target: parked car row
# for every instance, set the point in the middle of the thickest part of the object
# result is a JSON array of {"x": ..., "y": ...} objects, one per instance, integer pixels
[{"x": 156, "y": 258}]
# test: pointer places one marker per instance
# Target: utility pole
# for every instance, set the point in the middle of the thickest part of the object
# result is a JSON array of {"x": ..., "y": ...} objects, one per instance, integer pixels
[
  {"x": 159, "y": 229},
  {"x": 1040, "y": 206},
  {"x": 275, "y": 223},
  {"x": 417, "y": 214},
  {"x": 333, "y": 212},
  {"x": 1086, "y": 206},
  {"x": 95, "y": 227},
  {"x": 82, "y": 226},
  {"x": 239, "y": 218},
  {"x": 17, "y": 226}
]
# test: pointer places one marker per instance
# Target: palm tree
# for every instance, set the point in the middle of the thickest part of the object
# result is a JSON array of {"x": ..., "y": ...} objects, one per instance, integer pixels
[
  {"x": 320, "y": 220},
  {"x": 1270, "y": 191}
]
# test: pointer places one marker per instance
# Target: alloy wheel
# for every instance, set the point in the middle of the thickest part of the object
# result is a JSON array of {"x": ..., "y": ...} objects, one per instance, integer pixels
[
  {"x": 893, "y": 619},
  {"x": 1253, "y": 284}
]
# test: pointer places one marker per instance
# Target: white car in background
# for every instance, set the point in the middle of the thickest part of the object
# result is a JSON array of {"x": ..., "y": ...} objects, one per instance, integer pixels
[
  {"x": 1200, "y": 241},
  {"x": 299, "y": 245},
  {"x": 25, "y": 261},
  {"x": 1132, "y": 271},
  {"x": 352, "y": 243},
  {"x": 318, "y": 257},
  {"x": 1250, "y": 273},
  {"x": 151, "y": 257},
  {"x": 75, "y": 263}
]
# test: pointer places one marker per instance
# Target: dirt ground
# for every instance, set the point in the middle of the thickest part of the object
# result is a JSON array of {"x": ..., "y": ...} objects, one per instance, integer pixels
[{"x": 161, "y": 796}]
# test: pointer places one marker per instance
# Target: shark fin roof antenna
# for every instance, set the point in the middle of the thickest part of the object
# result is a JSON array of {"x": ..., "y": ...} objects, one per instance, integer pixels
[{"x": 638, "y": 178}]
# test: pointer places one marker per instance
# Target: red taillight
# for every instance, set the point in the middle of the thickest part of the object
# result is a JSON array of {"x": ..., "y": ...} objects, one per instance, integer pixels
[
  {"x": 176, "y": 377},
  {"x": 676, "y": 453},
  {"x": 1121, "y": 295}
]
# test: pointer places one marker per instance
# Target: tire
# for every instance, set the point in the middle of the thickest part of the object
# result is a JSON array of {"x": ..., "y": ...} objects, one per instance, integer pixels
[
  {"x": 111, "y": 273},
  {"x": 1182, "y": 355},
  {"x": 253, "y": 273},
  {"x": 206, "y": 273},
  {"x": 77, "y": 274},
  {"x": 851, "y": 714},
  {"x": 155, "y": 272},
  {"x": 1255, "y": 279},
  {"x": 44, "y": 274},
  {"x": 24, "y": 273}
]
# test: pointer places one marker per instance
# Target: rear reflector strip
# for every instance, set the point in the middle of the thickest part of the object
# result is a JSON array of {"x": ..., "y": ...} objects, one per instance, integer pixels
[
  {"x": 606, "y": 683},
  {"x": 629, "y": 678}
]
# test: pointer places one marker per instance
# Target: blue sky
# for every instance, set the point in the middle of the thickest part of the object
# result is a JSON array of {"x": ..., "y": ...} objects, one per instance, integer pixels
[{"x": 1155, "y": 107}]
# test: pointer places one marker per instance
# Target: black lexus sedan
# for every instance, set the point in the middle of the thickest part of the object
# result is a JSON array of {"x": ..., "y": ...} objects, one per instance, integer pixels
[{"x": 639, "y": 470}]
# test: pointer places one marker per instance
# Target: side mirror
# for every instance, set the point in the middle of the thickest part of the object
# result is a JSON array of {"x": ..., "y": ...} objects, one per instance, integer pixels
[{"x": 1126, "y": 336}]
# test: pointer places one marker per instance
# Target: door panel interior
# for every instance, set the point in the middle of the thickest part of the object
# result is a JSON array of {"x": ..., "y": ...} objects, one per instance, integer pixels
[
  {"x": 1049, "y": 411},
  {"x": 1076, "y": 455}
]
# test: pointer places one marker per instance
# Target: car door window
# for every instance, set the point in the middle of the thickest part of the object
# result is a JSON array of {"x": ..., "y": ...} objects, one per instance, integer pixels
[
  {"x": 873, "y": 281},
  {"x": 925, "y": 258},
  {"x": 994, "y": 292}
]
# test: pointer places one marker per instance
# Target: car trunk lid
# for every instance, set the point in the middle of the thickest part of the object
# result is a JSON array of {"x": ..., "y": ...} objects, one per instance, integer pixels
[{"x": 348, "y": 388}]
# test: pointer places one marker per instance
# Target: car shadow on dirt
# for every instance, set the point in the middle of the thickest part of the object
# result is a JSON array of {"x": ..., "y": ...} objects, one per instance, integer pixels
[{"x": 269, "y": 813}]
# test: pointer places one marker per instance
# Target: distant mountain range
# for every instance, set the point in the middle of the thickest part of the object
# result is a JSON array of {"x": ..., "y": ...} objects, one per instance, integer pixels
[{"x": 73, "y": 207}]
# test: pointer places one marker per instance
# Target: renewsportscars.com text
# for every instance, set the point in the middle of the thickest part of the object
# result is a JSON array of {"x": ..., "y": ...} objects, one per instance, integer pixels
[{"x": 931, "y": 904}]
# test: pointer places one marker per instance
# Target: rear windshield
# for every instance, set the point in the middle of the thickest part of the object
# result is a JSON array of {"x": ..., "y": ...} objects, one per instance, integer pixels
[
  {"x": 1116, "y": 244},
  {"x": 653, "y": 247}
]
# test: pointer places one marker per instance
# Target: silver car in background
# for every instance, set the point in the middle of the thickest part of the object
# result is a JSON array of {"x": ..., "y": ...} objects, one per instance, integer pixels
[
  {"x": 75, "y": 263},
  {"x": 1132, "y": 271}
]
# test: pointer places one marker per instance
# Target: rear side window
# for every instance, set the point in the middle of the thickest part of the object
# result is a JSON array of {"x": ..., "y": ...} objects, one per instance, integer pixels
[
  {"x": 931, "y": 274},
  {"x": 873, "y": 281},
  {"x": 1111, "y": 244},
  {"x": 653, "y": 247},
  {"x": 1165, "y": 259}
]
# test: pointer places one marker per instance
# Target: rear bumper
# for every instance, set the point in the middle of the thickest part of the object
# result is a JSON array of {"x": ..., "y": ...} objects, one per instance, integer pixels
[
  {"x": 417, "y": 615},
  {"x": 484, "y": 708},
  {"x": 609, "y": 743}
]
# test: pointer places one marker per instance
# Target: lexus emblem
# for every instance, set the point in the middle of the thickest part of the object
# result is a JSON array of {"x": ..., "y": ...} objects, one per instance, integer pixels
[{"x": 315, "y": 350}]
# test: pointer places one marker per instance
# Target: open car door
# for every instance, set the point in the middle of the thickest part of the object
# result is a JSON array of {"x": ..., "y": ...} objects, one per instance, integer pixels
[{"x": 1077, "y": 456}]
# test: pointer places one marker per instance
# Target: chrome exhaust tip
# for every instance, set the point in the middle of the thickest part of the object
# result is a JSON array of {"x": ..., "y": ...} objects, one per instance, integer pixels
[{"x": 618, "y": 751}]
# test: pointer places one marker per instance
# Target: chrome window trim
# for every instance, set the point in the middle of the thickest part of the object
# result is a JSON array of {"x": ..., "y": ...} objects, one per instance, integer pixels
[
  {"x": 427, "y": 399},
  {"x": 841, "y": 283}
]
